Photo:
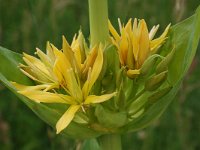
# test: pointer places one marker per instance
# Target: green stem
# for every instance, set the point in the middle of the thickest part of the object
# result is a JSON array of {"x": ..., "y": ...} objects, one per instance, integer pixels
[
  {"x": 110, "y": 142},
  {"x": 99, "y": 33},
  {"x": 98, "y": 13}
]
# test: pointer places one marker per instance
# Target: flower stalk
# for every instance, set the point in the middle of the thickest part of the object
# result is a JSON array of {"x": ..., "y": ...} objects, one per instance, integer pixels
[
  {"x": 98, "y": 14},
  {"x": 99, "y": 33}
]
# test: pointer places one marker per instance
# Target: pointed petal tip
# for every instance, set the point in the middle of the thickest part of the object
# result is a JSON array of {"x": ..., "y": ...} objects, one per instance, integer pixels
[
  {"x": 37, "y": 48},
  {"x": 24, "y": 54},
  {"x": 63, "y": 37},
  {"x": 58, "y": 131}
]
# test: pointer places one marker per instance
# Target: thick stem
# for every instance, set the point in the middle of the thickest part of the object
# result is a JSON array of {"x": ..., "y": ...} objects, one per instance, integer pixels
[
  {"x": 99, "y": 33},
  {"x": 98, "y": 13},
  {"x": 110, "y": 142}
]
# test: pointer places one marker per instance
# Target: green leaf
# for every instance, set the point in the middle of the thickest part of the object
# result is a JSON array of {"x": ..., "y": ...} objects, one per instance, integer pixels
[
  {"x": 9, "y": 61},
  {"x": 185, "y": 37}
]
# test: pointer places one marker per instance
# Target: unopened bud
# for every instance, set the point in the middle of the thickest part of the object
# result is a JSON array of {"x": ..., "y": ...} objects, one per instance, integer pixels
[
  {"x": 139, "y": 103},
  {"x": 148, "y": 65},
  {"x": 157, "y": 95},
  {"x": 156, "y": 81},
  {"x": 163, "y": 65}
]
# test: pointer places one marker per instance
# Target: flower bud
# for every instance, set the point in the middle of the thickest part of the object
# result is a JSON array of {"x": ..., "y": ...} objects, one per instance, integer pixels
[
  {"x": 159, "y": 94},
  {"x": 155, "y": 82},
  {"x": 148, "y": 64},
  {"x": 163, "y": 65}
]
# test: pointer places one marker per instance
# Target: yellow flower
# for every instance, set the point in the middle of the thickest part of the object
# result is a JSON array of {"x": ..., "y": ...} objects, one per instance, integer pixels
[
  {"x": 68, "y": 67},
  {"x": 135, "y": 44}
]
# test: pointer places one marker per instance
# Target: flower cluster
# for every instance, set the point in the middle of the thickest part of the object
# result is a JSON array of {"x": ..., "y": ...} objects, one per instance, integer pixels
[
  {"x": 68, "y": 76},
  {"x": 135, "y": 44},
  {"x": 64, "y": 76}
]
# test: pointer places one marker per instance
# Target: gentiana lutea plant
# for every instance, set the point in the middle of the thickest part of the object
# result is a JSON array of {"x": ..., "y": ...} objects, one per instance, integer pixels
[{"x": 118, "y": 82}]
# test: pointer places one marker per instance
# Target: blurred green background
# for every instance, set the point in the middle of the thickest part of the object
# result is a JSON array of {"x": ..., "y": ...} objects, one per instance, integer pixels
[{"x": 26, "y": 24}]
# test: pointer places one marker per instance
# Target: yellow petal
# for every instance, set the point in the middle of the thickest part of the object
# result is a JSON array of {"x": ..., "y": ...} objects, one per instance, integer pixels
[
  {"x": 113, "y": 31},
  {"x": 65, "y": 45},
  {"x": 128, "y": 26},
  {"x": 74, "y": 41},
  {"x": 37, "y": 75},
  {"x": 50, "y": 52},
  {"x": 73, "y": 86},
  {"x": 130, "y": 56},
  {"x": 34, "y": 63},
  {"x": 124, "y": 41},
  {"x": 83, "y": 46},
  {"x": 143, "y": 43},
  {"x": 90, "y": 59},
  {"x": 135, "y": 40},
  {"x": 96, "y": 69},
  {"x": 77, "y": 54},
  {"x": 153, "y": 32},
  {"x": 99, "y": 99},
  {"x": 124, "y": 45},
  {"x": 166, "y": 31},
  {"x": 130, "y": 59},
  {"x": 48, "y": 63},
  {"x": 44, "y": 58},
  {"x": 61, "y": 66},
  {"x": 120, "y": 25},
  {"x": 37, "y": 69},
  {"x": 156, "y": 43},
  {"x": 79, "y": 48},
  {"x": 47, "y": 97},
  {"x": 27, "y": 71},
  {"x": 69, "y": 54},
  {"x": 54, "y": 49},
  {"x": 85, "y": 89},
  {"x": 66, "y": 118},
  {"x": 21, "y": 87},
  {"x": 135, "y": 24},
  {"x": 66, "y": 76}
]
